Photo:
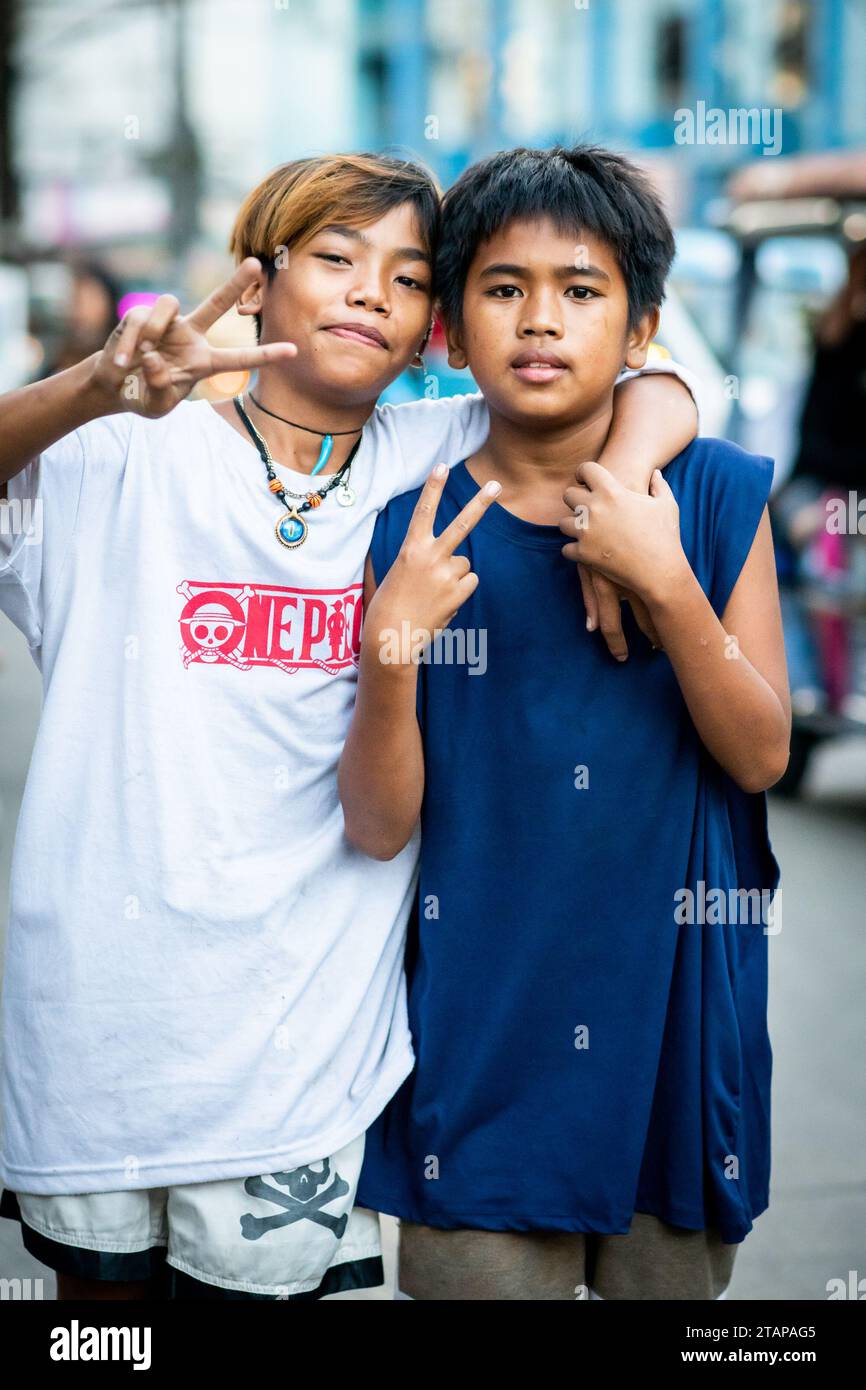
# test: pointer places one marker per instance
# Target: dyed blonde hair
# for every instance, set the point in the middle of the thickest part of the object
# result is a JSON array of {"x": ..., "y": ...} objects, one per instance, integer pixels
[{"x": 296, "y": 200}]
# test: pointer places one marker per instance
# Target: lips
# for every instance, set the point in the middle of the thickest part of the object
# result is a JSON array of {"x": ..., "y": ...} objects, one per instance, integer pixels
[
  {"x": 358, "y": 333},
  {"x": 538, "y": 365}
]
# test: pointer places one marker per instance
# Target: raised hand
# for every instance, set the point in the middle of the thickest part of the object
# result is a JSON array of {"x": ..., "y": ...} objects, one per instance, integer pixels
[
  {"x": 428, "y": 583},
  {"x": 629, "y": 541},
  {"x": 155, "y": 355}
]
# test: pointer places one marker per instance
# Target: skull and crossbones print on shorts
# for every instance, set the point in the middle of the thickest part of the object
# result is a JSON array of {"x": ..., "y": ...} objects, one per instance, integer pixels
[{"x": 281, "y": 1235}]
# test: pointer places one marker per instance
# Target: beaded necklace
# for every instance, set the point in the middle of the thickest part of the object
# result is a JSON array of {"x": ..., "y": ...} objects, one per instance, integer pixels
[{"x": 292, "y": 530}]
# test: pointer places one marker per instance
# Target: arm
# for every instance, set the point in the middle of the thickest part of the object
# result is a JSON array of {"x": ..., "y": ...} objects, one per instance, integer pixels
[
  {"x": 731, "y": 671},
  {"x": 34, "y": 417},
  {"x": 150, "y": 362},
  {"x": 631, "y": 452},
  {"x": 381, "y": 773},
  {"x": 654, "y": 418}
]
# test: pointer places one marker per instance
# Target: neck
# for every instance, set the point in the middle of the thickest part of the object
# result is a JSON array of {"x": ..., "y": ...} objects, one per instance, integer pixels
[
  {"x": 546, "y": 458},
  {"x": 293, "y": 446}
]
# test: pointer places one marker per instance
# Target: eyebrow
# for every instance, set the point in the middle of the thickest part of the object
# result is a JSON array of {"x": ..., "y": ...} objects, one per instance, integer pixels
[
  {"x": 401, "y": 253},
  {"x": 562, "y": 272}
]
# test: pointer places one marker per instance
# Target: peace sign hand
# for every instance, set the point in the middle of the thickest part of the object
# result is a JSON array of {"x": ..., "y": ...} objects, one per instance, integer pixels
[
  {"x": 428, "y": 583},
  {"x": 155, "y": 355}
]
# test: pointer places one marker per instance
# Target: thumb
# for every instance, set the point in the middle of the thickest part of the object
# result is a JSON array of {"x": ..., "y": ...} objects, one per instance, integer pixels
[{"x": 659, "y": 485}]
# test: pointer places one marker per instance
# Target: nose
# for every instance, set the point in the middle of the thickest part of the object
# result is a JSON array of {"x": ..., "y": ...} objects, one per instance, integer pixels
[
  {"x": 541, "y": 317},
  {"x": 370, "y": 291}
]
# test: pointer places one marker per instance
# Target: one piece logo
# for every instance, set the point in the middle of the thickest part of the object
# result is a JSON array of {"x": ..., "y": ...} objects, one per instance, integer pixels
[
  {"x": 250, "y": 625},
  {"x": 302, "y": 1202}
]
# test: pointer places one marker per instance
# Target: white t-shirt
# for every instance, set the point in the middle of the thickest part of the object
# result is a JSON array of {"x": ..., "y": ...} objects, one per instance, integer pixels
[{"x": 203, "y": 979}]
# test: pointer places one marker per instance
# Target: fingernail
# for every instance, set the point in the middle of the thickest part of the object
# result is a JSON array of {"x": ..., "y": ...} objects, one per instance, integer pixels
[
  {"x": 121, "y": 359},
  {"x": 492, "y": 489},
  {"x": 590, "y": 625},
  {"x": 440, "y": 470},
  {"x": 622, "y": 658}
]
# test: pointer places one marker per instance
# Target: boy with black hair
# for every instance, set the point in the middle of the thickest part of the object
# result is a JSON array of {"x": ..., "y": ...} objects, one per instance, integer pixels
[{"x": 590, "y": 1104}]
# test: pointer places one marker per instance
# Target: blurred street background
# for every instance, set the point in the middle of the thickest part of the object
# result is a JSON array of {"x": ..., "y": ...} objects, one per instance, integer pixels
[{"x": 131, "y": 130}]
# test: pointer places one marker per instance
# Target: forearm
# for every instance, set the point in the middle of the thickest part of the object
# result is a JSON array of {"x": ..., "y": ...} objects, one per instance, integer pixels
[
  {"x": 654, "y": 418},
  {"x": 736, "y": 712},
  {"x": 381, "y": 773},
  {"x": 34, "y": 417}
]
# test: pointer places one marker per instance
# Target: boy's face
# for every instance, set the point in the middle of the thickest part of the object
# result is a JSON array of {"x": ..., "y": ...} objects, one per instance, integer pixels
[
  {"x": 545, "y": 323},
  {"x": 355, "y": 300}
]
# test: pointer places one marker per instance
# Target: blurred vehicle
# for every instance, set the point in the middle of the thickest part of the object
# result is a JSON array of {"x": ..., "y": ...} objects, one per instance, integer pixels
[{"x": 797, "y": 352}]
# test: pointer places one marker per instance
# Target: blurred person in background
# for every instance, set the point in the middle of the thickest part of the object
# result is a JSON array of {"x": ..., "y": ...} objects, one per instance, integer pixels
[
  {"x": 829, "y": 466},
  {"x": 89, "y": 318}
]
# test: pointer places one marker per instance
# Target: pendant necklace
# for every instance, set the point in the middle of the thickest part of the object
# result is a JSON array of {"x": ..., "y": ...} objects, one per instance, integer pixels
[{"x": 291, "y": 529}]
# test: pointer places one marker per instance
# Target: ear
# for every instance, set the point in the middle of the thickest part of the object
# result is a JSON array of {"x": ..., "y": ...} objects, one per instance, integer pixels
[
  {"x": 456, "y": 353},
  {"x": 640, "y": 337},
  {"x": 252, "y": 298}
]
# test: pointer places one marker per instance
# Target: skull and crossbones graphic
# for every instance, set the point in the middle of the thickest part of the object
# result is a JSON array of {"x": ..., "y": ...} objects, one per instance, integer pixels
[{"x": 302, "y": 1201}]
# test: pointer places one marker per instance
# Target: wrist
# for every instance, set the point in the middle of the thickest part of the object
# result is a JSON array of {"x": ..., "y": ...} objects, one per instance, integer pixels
[
  {"x": 94, "y": 396},
  {"x": 387, "y": 651},
  {"x": 671, "y": 585},
  {"x": 633, "y": 474}
]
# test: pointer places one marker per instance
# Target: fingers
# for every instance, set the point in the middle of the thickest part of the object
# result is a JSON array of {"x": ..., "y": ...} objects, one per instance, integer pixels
[
  {"x": 247, "y": 359},
  {"x": 610, "y": 617},
  {"x": 575, "y": 523},
  {"x": 592, "y": 475},
  {"x": 155, "y": 371},
  {"x": 659, "y": 485},
  {"x": 576, "y": 496},
  {"x": 590, "y": 602},
  {"x": 128, "y": 333},
  {"x": 644, "y": 621},
  {"x": 421, "y": 523},
  {"x": 205, "y": 315},
  {"x": 469, "y": 517},
  {"x": 143, "y": 327},
  {"x": 465, "y": 588},
  {"x": 162, "y": 313}
]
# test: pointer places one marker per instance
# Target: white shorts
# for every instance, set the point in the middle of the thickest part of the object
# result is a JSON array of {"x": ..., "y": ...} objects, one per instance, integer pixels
[{"x": 288, "y": 1235}]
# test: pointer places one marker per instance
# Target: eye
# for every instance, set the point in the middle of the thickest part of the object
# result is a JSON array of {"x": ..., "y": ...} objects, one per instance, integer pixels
[
  {"x": 412, "y": 284},
  {"x": 332, "y": 257},
  {"x": 583, "y": 293},
  {"x": 503, "y": 291}
]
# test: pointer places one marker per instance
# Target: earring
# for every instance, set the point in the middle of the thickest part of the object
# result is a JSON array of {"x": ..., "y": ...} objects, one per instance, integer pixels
[{"x": 418, "y": 363}]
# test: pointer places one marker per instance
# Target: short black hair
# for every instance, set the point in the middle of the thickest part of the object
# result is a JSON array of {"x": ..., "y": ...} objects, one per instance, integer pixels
[{"x": 582, "y": 189}]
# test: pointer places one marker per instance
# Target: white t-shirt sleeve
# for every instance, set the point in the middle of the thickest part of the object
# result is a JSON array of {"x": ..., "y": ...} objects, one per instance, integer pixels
[
  {"x": 419, "y": 434},
  {"x": 36, "y": 527}
]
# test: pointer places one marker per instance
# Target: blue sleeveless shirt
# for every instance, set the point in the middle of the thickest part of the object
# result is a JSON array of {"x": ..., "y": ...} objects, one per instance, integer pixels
[{"x": 587, "y": 967}]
